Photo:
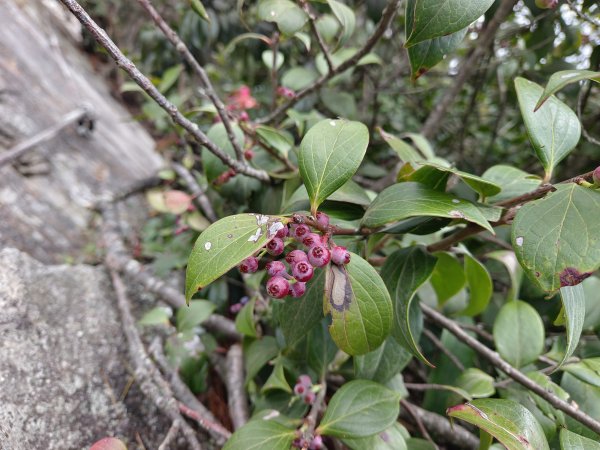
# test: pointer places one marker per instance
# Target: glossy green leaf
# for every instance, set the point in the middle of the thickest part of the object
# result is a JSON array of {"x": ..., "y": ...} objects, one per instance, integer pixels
[
  {"x": 345, "y": 16},
  {"x": 428, "y": 19},
  {"x": 404, "y": 273},
  {"x": 299, "y": 315},
  {"x": 405, "y": 151},
  {"x": 276, "y": 380},
  {"x": 267, "y": 59},
  {"x": 277, "y": 139},
  {"x": 288, "y": 16},
  {"x": 556, "y": 238},
  {"x": 513, "y": 181},
  {"x": 199, "y": 9},
  {"x": 259, "y": 353},
  {"x": 508, "y": 421},
  {"x": 425, "y": 55},
  {"x": 390, "y": 439},
  {"x": 480, "y": 185},
  {"x": 476, "y": 382},
  {"x": 573, "y": 441},
  {"x": 587, "y": 370},
  {"x": 261, "y": 434},
  {"x": 225, "y": 244},
  {"x": 360, "y": 408},
  {"x": 480, "y": 286},
  {"x": 426, "y": 175},
  {"x": 244, "y": 321},
  {"x": 157, "y": 316},
  {"x": 562, "y": 78},
  {"x": 553, "y": 130},
  {"x": 573, "y": 302},
  {"x": 383, "y": 363},
  {"x": 359, "y": 304},
  {"x": 329, "y": 155},
  {"x": 194, "y": 314},
  {"x": 448, "y": 277},
  {"x": 405, "y": 200},
  {"x": 519, "y": 333}
]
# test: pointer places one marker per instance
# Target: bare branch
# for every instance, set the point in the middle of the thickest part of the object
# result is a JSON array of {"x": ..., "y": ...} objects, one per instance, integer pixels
[
  {"x": 234, "y": 382},
  {"x": 186, "y": 54},
  {"x": 199, "y": 197},
  {"x": 315, "y": 409},
  {"x": 467, "y": 69},
  {"x": 171, "y": 436},
  {"x": 406, "y": 406},
  {"x": 128, "y": 66},
  {"x": 583, "y": 16},
  {"x": 496, "y": 360},
  {"x": 313, "y": 27},
  {"x": 44, "y": 135},
  {"x": 439, "y": 344},
  {"x": 386, "y": 18}
]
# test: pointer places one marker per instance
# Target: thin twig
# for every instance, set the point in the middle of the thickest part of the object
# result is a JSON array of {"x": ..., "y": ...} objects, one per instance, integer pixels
[
  {"x": 205, "y": 423},
  {"x": 250, "y": 132},
  {"x": 583, "y": 15},
  {"x": 128, "y": 66},
  {"x": 311, "y": 419},
  {"x": 207, "y": 87},
  {"x": 439, "y": 344},
  {"x": 386, "y": 18},
  {"x": 234, "y": 382},
  {"x": 151, "y": 382},
  {"x": 441, "y": 428},
  {"x": 171, "y": 436},
  {"x": 417, "y": 418},
  {"x": 118, "y": 259},
  {"x": 45, "y": 135},
  {"x": 468, "y": 67},
  {"x": 496, "y": 360},
  {"x": 313, "y": 28},
  {"x": 274, "y": 76},
  {"x": 199, "y": 197}
]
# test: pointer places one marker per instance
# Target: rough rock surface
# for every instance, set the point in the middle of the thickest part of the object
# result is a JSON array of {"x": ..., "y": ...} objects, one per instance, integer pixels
[{"x": 63, "y": 360}]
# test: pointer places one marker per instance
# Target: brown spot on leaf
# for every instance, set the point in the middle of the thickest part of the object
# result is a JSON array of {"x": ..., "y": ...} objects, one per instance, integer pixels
[{"x": 571, "y": 276}]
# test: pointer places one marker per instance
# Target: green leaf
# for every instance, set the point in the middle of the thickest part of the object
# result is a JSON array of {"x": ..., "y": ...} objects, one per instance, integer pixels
[
  {"x": 480, "y": 286},
  {"x": 359, "y": 409},
  {"x": 556, "y": 238},
  {"x": 169, "y": 78},
  {"x": 562, "y": 78},
  {"x": 261, "y": 434},
  {"x": 545, "y": 408},
  {"x": 404, "y": 273},
  {"x": 359, "y": 304},
  {"x": 350, "y": 192},
  {"x": 553, "y": 130},
  {"x": 513, "y": 181},
  {"x": 267, "y": 59},
  {"x": 383, "y": 363},
  {"x": 346, "y": 18},
  {"x": 519, "y": 333},
  {"x": 587, "y": 370},
  {"x": 288, "y": 16},
  {"x": 156, "y": 316},
  {"x": 225, "y": 244},
  {"x": 587, "y": 399},
  {"x": 298, "y": 78},
  {"x": 515, "y": 272},
  {"x": 573, "y": 441},
  {"x": 299, "y": 315},
  {"x": 425, "y": 55},
  {"x": 244, "y": 321},
  {"x": 508, "y": 421},
  {"x": 258, "y": 354},
  {"x": 327, "y": 26},
  {"x": 480, "y": 185},
  {"x": 428, "y": 19},
  {"x": 279, "y": 140},
  {"x": 573, "y": 302},
  {"x": 199, "y": 9},
  {"x": 213, "y": 166},
  {"x": 320, "y": 348},
  {"x": 277, "y": 379},
  {"x": 405, "y": 151},
  {"x": 405, "y": 200},
  {"x": 426, "y": 175},
  {"x": 194, "y": 314},
  {"x": 390, "y": 439},
  {"x": 477, "y": 383},
  {"x": 329, "y": 155},
  {"x": 448, "y": 277}
]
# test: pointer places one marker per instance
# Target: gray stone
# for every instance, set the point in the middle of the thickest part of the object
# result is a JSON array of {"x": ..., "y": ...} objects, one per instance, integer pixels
[{"x": 63, "y": 360}]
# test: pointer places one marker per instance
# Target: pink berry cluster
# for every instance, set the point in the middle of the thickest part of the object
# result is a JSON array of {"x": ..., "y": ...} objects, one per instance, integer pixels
[
  {"x": 301, "y": 263},
  {"x": 303, "y": 389},
  {"x": 316, "y": 443}
]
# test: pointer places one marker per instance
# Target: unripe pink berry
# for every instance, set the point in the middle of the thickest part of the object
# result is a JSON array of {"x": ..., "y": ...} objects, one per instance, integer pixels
[
  {"x": 278, "y": 287},
  {"x": 309, "y": 397},
  {"x": 282, "y": 232},
  {"x": 316, "y": 443},
  {"x": 596, "y": 175},
  {"x": 340, "y": 255},
  {"x": 312, "y": 239},
  {"x": 302, "y": 271},
  {"x": 297, "y": 289},
  {"x": 300, "y": 231},
  {"x": 249, "y": 265},
  {"x": 235, "y": 308},
  {"x": 296, "y": 256},
  {"x": 275, "y": 268},
  {"x": 322, "y": 219},
  {"x": 275, "y": 246},
  {"x": 299, "y": 389},
  {"x": 319, "y": 256}
]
